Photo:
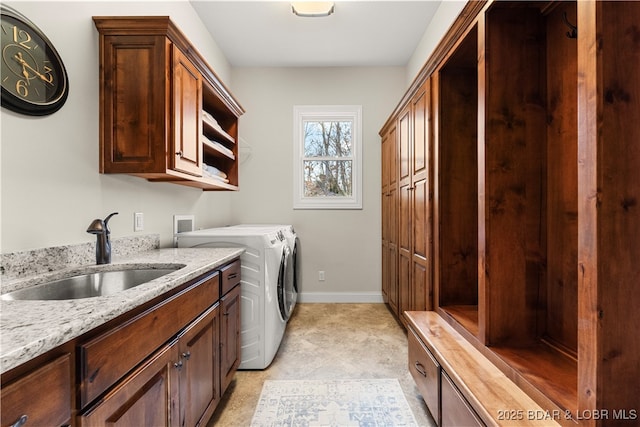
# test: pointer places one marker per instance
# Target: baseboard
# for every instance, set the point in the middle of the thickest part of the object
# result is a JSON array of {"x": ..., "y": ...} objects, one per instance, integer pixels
[{"x": 340, "y": 297}]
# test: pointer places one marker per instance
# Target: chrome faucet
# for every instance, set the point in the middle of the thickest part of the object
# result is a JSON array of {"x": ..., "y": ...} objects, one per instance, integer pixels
[{"x": 100, "y": 228}]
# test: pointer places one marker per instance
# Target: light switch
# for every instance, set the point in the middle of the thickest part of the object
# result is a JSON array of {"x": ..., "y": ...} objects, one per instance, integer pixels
[{"x": 138, "y": 221}]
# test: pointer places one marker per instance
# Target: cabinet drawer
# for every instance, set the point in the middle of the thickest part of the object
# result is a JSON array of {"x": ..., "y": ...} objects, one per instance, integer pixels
[
  {"x": 109, "y": 356},
  {"x": 455, "y": 409},
  {"x": 43, "y": 396},
  {"x": 230, "y": 276},
  {"x": 425, "y": 371}
]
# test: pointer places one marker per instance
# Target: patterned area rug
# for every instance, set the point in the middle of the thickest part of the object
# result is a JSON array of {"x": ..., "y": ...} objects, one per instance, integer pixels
[{"x": 335, "y": 403}]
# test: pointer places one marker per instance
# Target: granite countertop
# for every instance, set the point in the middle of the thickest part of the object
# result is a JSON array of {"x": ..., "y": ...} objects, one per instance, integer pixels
[{"x": 31, "y": 328}]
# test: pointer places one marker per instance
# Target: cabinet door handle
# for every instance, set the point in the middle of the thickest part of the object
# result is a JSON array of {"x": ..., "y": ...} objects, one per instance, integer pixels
[
  {"x": 421, "y": 369},
  {"x": 178, "y": 365},
  {"x": 21, "y": 421},
  {"x": 179, "y": 153},
  {"x": 186, "y": 355}
]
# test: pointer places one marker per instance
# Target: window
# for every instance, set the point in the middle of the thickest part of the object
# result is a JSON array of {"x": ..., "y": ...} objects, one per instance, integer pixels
[{"x": 327, "y": 157}]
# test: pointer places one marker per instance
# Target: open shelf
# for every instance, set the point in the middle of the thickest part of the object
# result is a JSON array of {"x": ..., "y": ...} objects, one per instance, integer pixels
[
  {"x": 220, "y": 132},
  {"x": 530, "y": 177},
  {"x": 465, "y": 315},
  {"x": 458, "y": 182},
  {"x": 544, "y": 370}
]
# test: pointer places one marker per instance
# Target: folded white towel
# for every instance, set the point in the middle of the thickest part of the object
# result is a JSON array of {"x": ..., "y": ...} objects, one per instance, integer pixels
[{"x": 212, "y": 170}]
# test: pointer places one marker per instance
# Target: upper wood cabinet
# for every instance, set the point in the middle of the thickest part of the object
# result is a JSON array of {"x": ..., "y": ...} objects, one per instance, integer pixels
[{"x": 164, "y": 114}]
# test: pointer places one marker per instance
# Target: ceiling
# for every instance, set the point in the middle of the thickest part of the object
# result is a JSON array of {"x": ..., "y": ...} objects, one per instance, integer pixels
[{"x": 359, "y": 33}]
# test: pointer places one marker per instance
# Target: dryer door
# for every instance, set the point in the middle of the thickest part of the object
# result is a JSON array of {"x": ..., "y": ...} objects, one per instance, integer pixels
[{"x": 286, "y": 297}]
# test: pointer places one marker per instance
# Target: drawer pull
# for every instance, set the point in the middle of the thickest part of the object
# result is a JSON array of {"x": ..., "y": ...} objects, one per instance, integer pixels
[
  {"x": 420, "y": 369},
  {"x": 186, "y": 355},
  {"x": 21, "y": 421},
  {"x": 232, "y": 276}
]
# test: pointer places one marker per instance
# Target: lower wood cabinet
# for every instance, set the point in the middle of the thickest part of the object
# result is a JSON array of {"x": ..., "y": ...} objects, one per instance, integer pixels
[
  {"x": 166, "y": 363},
  {"x": 178, "y": 386},
  {"x": 456, "y": 411},
  {"x": 29, "y": 400},
  {"x": 447, "y": 406},
  {"x": 182, "y": 382},
  {"x": 461, "y": 387}
]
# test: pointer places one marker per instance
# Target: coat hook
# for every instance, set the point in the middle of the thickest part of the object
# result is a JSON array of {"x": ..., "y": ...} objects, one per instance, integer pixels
[{"x": 573, "y": 34}]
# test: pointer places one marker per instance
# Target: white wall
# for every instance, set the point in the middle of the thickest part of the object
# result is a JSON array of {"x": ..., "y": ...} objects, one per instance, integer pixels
[
  {"x": 446, "y": 14},
  {"x": 343, "y": 243},
  {"x": 51, "y": 188}
]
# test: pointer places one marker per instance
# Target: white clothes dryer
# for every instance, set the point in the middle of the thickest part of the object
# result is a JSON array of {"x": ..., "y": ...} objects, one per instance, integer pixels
[{"x": 266, "y": 273}]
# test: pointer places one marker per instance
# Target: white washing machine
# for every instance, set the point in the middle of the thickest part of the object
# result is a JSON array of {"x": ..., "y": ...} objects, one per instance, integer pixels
[
  {"x": 266, "y": 283},
  {"x": 294, "y": 246}
]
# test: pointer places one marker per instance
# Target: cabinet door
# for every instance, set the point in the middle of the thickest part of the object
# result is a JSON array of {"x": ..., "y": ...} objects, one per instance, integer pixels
[
  {"x": 149, "y": 396},
  {"x": 187, "y": 123},
  {"x": 393, "y": 293},
  {"x": 420, "y": 203},
  {"x": 404, "y": 251},
  {"x": 389, "y": 226},
  {"x": 229, "y": 337},
  {"x": 455, "y": 409},
  {"x": 133, "y": 100},
  {"x": 199, "y": 376},
  {"x": 42, "y": 397}
]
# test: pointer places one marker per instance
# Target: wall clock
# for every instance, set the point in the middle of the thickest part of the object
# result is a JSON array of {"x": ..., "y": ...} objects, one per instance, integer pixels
[{"x": 34, "y": 80}]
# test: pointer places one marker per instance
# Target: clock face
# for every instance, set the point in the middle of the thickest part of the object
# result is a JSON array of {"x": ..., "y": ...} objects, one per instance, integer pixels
[{"x": 34, "y": 80}]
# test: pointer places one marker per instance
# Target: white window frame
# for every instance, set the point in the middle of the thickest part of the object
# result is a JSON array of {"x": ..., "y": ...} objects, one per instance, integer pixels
[{"x": 302, "y": 113}]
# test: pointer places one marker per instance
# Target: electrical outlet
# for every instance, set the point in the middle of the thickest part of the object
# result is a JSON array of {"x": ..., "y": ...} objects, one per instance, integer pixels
[
  {"x": 321, "y": 276},
  {"x": 138, "y": 221}
]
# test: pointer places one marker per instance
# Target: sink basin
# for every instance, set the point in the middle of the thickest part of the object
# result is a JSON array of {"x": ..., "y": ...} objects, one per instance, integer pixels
[{"x": 97, "y": 284}]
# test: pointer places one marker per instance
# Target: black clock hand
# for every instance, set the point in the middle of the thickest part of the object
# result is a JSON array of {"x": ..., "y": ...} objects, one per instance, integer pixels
[
  {"x": 18, "y": 57},
  {"x": 25, "y": 73}
]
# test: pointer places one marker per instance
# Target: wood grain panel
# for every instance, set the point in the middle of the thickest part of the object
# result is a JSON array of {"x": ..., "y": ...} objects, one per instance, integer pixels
[
  {"x": 561, "y": 291},
  {"x": 609, "y": 193},
  {"x": 515, "y": 155}
]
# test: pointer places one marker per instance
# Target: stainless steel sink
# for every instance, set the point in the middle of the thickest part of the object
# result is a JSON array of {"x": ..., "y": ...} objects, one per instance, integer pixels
[{"x": 89, "y": 285}]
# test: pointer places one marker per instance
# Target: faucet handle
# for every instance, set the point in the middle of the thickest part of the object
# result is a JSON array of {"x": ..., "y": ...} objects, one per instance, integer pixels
[
  {"x": 96, "y": 227},
  {"x": 106, "y": 221}
]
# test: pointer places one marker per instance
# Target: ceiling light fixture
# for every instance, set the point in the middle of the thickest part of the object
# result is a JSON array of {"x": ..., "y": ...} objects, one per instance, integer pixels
[{"x": 312, "y": 8}]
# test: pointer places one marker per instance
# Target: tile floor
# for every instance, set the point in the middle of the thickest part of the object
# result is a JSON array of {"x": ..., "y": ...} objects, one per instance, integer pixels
[{"x": 324, "y": 341}]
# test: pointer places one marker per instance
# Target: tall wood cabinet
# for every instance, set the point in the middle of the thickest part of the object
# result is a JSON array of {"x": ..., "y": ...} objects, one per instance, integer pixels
[
  {"x": 535, "y": 182},
  {"x": 164, "y": 114},
  {"x": 407, "y": 238}
]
